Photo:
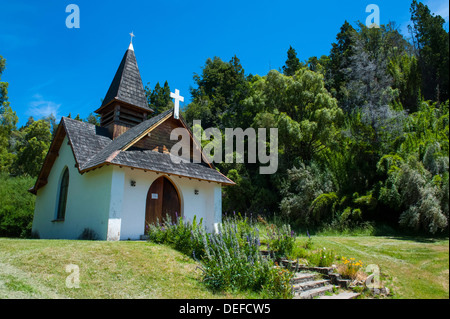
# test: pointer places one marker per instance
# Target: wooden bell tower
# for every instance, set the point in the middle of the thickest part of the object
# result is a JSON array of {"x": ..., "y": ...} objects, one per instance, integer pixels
[{"x": 125, "y": 104}]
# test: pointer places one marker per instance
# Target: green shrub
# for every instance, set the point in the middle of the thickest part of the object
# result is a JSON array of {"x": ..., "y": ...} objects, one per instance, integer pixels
[
  {"x": 278, "y": 284},
  {"x": 280, "y": 240},
  {"x": 183, "y": 236},
  {"x": 322, "y": 258},
  {"x": 230, "y": 259},
  {"x": 16, "y": 206},
  {"x": 233, "y": 261}
]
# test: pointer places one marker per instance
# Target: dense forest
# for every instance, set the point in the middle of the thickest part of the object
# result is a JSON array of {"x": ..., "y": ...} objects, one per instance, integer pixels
[{"x": 363, "y": 132}]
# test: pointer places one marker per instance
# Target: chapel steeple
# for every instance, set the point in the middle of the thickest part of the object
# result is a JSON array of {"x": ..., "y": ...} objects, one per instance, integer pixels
[{"x": 125, "y": 104}]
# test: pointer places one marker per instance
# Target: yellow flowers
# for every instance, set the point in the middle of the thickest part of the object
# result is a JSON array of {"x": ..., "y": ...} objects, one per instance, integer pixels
[
  {"x": 352, "y": 262},
  {"x": 350, "y": 267}
]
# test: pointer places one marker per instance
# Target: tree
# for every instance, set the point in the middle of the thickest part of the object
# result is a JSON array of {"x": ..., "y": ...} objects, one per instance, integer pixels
[
  {"x": 92, "y": 119},
  {"x": 305, "y": 113},
  {"x": 431, "y": 42},
  {"x": 292, "y": 63},
  {"x": 8, "y": 122},
  {"x": 32, "y": 149},
  {"x": 405, "y": 73},
  {"x": 51, "y": 120},
  {"x": 318, "y": 65},
  {"x": 339, "y": 60},
  {"x": 221, "y": 88},
  {"x": 17, "y": 206},
  {"x": 159, "y": 98},
  {"x": 302, "y": 186},
  {"x": 3, "y": 85},
  {"x": 370, "y": 92}
]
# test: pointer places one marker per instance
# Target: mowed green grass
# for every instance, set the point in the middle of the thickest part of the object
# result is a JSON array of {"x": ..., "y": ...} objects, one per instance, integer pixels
[
  {"x": 413, "y": 268},
  {"x": 37, "y": 269}
]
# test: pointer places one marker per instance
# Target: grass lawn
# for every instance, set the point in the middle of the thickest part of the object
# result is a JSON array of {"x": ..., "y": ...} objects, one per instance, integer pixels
[
  {"x": 413, "y": 268},
  {"x": 37, "y": 269}
]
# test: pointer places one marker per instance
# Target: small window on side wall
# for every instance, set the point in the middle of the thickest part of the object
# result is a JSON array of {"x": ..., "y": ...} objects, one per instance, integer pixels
[{"x": 62, "y": 200}]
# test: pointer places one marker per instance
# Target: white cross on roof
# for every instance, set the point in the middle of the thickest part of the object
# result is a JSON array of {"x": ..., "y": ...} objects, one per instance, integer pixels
[
  {"x": 177, "y": 98},
  {"x": 131, "y": 41}
]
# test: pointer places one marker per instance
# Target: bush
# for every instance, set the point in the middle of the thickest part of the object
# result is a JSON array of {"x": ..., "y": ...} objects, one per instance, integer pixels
[
  {"x": 183, "y": 236},
  {"x": 278, "y": 284},
  {"x": 322, "y": 258},
  {"x": 280, "y": 240},
  {"x": 301, "y": 188},
  {"x": 16, "y": 206},
  {"x": 349, "y": 268},
  {"x": 231, "y": 259}
]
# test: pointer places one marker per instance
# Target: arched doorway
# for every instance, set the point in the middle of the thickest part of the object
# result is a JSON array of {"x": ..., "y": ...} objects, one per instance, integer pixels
[{"x": 162, "y": 200}]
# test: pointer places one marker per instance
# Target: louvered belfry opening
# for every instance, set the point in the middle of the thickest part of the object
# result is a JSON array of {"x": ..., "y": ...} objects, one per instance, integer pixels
[{"x": 125, "y": 104}]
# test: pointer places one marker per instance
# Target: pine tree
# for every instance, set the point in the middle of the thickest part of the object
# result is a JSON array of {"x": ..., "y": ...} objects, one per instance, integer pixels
[
  {"x": 159, "y": 99},
  {"x": 431, "y": 42},
  {"x": 292, "y": 63},
  {"x": 339, "y": 60}
]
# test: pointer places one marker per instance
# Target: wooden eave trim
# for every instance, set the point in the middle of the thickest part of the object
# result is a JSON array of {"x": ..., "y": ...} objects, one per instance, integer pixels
[{"x": 160, "y": 172}]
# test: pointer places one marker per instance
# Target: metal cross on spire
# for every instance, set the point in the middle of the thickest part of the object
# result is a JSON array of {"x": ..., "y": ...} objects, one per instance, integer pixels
[
  {"x": 177, "y": 98},
  {"x": 131, "y": 41}
]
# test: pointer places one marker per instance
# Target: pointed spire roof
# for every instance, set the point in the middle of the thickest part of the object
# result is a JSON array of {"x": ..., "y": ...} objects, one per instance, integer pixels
[{"x": 127, "y": 84}]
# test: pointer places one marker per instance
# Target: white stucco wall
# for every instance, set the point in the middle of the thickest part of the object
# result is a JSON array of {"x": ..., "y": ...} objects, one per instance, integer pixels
[
  {"x": 88, "y": 200},
  {"x": 207, "y": 204},
  {"x": 104, "y": 201}
]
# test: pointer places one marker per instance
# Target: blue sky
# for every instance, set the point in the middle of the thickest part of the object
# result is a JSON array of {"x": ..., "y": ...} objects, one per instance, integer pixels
[{"x": 54, "y": 69}]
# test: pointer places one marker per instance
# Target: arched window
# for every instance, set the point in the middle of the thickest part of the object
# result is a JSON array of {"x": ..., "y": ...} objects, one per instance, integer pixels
[{"x": 62, "y": 200}]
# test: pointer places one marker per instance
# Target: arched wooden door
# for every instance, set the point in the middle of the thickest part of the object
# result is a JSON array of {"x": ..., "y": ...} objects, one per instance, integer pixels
[{"x": 162, "y": 200}]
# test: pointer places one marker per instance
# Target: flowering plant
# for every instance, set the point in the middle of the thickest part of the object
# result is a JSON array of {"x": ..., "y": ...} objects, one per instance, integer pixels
[
  {"x": 350, "y": 267},
  {"x": 280, "y": 240},
  {"x": 322, "y": 258}
]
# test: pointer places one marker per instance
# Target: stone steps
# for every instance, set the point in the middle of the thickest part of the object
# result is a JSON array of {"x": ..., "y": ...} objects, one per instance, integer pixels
[
  {"x": 309, "y": 285},
  {"x": 302, "y": 277},
  {"x": 310, "y": 294}
]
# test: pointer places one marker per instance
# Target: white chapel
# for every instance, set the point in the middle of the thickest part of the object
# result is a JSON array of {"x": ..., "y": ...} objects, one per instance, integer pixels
[{"x": 116, "y": 178}]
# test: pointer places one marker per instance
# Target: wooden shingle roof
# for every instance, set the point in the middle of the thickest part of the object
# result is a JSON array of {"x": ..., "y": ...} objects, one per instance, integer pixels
[
  {"x": 93, "y": 147},
  {"x": 127, "y": 84}
]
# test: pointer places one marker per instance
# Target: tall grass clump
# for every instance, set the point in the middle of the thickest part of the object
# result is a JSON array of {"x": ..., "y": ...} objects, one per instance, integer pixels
[
  {"x": 181, "y": 235},
  {"x": 230, "y": 259}
]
